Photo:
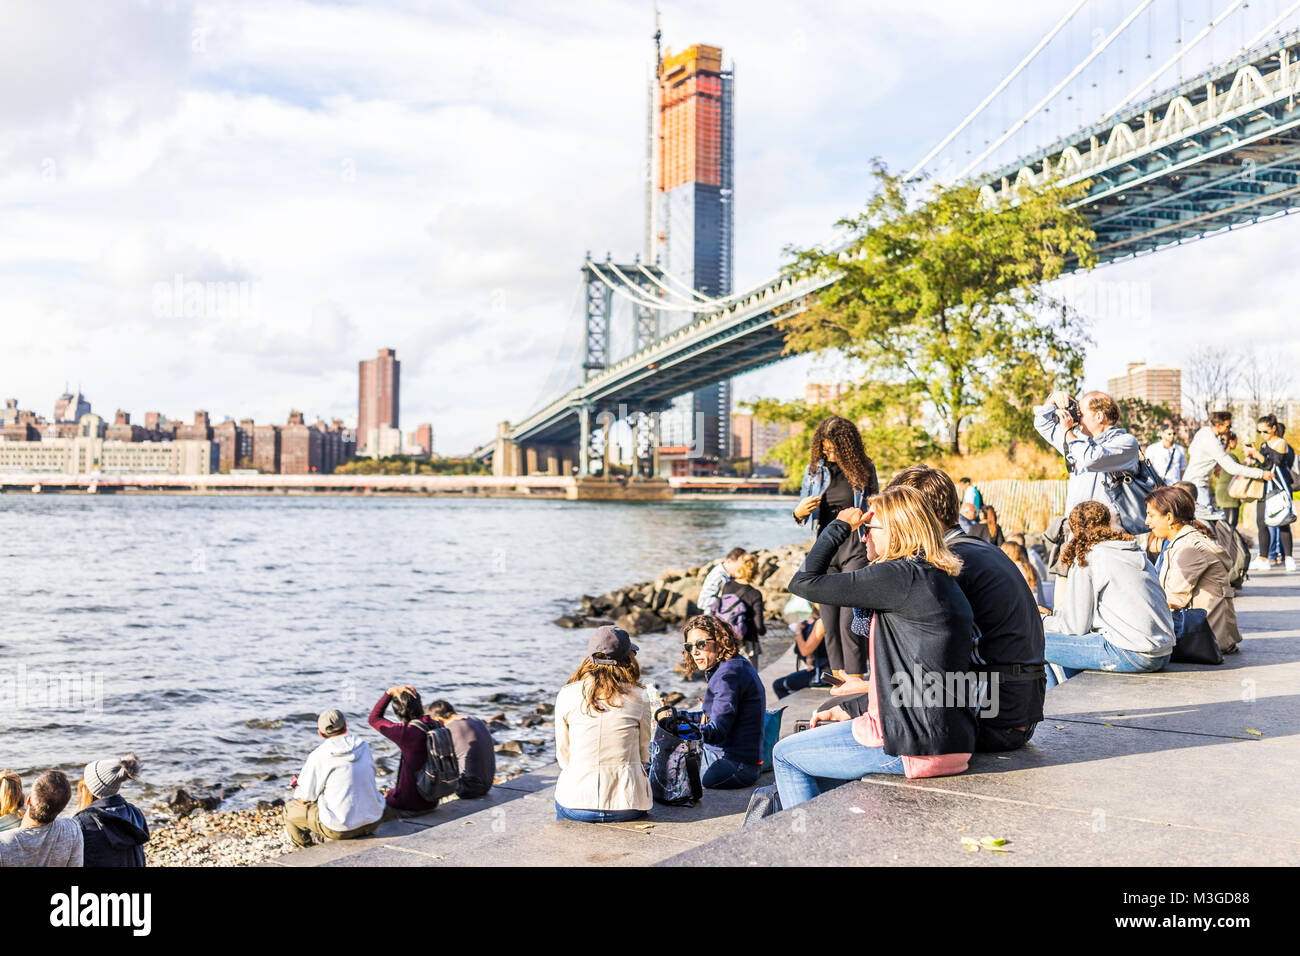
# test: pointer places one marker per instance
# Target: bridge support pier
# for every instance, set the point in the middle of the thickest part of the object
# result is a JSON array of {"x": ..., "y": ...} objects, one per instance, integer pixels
[
  {"x": 505, "y": 454},
  {"x": 584, "y": 441}
]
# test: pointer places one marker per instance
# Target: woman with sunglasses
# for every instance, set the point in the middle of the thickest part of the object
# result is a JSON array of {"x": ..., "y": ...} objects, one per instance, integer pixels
[
  {"x": 735, "y": 704},
  {"x": 920, "y": 623},
  {"x": 1277, "y": 457}
]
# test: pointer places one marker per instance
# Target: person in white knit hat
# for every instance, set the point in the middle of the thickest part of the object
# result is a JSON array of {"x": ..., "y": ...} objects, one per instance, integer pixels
[{"x": 113, "y": 831}]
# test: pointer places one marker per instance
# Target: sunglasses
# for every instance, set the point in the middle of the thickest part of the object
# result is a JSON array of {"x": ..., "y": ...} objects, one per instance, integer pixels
[{"x": 692, "y": 646}]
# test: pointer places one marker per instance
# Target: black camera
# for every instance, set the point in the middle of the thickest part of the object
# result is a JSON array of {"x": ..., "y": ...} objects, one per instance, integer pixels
[{"x": 1072, "y": 409}]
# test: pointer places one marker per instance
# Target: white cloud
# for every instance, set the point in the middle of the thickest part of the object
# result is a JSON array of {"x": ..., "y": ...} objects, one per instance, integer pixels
[{"x": 428, "y": 176}]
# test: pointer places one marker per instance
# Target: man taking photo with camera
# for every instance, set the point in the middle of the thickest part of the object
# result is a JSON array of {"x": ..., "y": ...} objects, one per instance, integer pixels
[{"x": 1087, "y": 433}]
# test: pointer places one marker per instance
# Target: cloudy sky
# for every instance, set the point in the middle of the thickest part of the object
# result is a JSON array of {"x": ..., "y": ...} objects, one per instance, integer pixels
[{"x": 427, "y": 176}]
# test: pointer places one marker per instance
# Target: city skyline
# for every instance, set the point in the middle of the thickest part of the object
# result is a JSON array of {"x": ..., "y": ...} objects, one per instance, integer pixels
[{"x": 244, "y": 201}]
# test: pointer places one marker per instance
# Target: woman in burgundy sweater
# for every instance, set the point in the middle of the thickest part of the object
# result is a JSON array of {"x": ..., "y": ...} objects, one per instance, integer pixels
[{"x": 410, "y": 736}]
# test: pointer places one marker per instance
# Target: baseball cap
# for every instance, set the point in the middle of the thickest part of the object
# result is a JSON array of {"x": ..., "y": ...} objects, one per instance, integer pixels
[
  {"x": 611, "y": 641},
  {"x": 330, "y": 722}
]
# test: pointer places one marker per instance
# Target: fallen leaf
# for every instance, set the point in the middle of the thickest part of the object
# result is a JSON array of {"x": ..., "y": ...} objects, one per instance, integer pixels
[
  {"x": 1108, "y": 725},
  {"x": 1119, "y": 715},
  {"x": 856, "y": 810},
  {"x": 962, "y": 829},
  {"x": 970, "y": 840},
  {"x": 1000, "y": 757},
  {"x": 1060, "y": 726},
  {"x": 997, "y": 849},
  {"x": 972, "y": 847},
  {"x": 1252, "y": 730},
  {"x": 645, "y": 826},
  {"x": 989, "y": 841}
]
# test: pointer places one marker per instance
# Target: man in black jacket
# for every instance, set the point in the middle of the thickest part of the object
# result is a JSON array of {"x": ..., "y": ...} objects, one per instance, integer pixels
[{"x": 1010, "y": 646}]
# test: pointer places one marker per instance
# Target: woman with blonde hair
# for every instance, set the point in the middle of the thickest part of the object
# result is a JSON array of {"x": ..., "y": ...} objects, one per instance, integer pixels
[
  {"x": 1111, "y": 614},
  {"x": 920, "y": 626},
  {"x": 12, "y": 800},
  {"x": 745, "y": 612},
  {"x": 602, "y": 735},
  {"x": 113, "y": 832}
]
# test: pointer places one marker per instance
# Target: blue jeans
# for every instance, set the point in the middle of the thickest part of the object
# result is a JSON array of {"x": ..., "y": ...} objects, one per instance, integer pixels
[
  {"x": 813, "y": 761},
  {"x": 1275, "y": 543},
  {"x": 1075, "y": 653},
  {"x": 597, "y": 816},
  {"x": 723, "y": 774}
]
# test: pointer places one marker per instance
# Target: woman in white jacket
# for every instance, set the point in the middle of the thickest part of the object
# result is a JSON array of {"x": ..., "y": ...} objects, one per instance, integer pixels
[
  {"x": 602, "y": 735},
  {"x": 1111, "y": 613}
]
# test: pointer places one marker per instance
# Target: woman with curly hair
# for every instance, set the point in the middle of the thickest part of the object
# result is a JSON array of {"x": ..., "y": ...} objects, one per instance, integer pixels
[
  {"x": 1111, "y": 613},
  {"x": 735, "y": 704},
  {"x": 839, "y": 476}
]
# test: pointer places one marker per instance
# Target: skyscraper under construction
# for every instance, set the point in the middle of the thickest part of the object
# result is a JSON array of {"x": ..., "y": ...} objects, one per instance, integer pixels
[{"x": 690, "y": 208}]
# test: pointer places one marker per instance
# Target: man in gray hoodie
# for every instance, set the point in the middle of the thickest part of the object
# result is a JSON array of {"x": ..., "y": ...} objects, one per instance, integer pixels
[
  {"x": 1111, "y": 613},
  {"x": 337, "y": 796}
]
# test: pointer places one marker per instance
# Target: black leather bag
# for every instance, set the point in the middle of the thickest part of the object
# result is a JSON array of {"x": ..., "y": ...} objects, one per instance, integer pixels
[{"x": 1196, "y": 643}]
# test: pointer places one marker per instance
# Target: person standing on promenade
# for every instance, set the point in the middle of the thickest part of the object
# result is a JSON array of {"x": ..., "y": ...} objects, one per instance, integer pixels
[
  {"x": 113, "y": 832},
  {"x": 723, "y": 571},
  {"x": 839, "y": 476},
  {"x": 1168, "y": 459},
  {"x": 11, "y": 800},
  {"x": 1276, "y": 457},
  {"x": 1093, "y": 444},
  {"x": 412, "y": 739},
  {"x": 474, "y": 749},
  {"x": 1005, "y": 612},
  {"x": 920, "y": 623},
  {"x": 745, "y": 613},
  {"x": 337, "y": 797},
  {"x": 734, "y": 704},
  {"x": 42, "y": 839},
  {"x": 1223, "y": 500},
  {"x": 602, "y": 735},
  {"x": 971, "y": 495},
  {"x": 1205, "y": 451}
]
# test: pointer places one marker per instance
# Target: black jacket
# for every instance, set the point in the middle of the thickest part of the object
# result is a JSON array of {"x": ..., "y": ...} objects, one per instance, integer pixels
[
  {"x": 114, "y": 833},
  {"x": 1011, "y": 629},
  {"x": 924, "y": 627}
]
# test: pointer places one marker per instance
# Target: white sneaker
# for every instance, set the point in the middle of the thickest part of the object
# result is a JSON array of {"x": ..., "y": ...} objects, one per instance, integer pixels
[
  {"x": 1261, "y": 564},
  {"x": 1290, "y": 564}
]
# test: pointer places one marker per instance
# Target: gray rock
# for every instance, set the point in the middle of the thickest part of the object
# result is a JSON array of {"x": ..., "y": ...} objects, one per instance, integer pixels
[
  {"x": 641, "y": 622},
  {"x": 532, "y": 720},
  {"x": 544, "y": 709},
  {"x": 570, "y": 620},
  {"x": 511, "y": 748}
]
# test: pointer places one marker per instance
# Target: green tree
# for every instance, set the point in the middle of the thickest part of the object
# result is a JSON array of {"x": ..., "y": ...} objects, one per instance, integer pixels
[
  {"x": 1144, "y": 420},
  {"x": 943, "y": 295},
  {"x": 887, "y": 415}
]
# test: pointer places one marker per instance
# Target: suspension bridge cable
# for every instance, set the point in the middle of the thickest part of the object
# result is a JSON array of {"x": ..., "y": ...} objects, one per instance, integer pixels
[
  {"x": 1264, "y": 32},
  {"x": 640, "y": 298},
  {"x": 1006, "y": 81},
  {"x": 695, "y": 293},
  {"x": 1056, "y": 89},
  {"x": 1205, "y": 31},
  {"x": 546, "y": 388}
]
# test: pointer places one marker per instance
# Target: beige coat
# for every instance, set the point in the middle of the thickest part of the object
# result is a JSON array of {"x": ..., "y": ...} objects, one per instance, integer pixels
[
  {"x": 1195, "y": 574},
  {"x": 602, "y": 756}
]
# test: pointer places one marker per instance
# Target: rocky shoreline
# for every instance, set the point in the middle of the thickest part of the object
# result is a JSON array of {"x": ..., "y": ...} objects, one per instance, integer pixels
[{"x": 651, "y": 607}]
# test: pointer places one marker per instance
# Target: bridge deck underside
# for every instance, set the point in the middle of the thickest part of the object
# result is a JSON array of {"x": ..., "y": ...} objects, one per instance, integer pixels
[{"x": 1206, "y": 185}]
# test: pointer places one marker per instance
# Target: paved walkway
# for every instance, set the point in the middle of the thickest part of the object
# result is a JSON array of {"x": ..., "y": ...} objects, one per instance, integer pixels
[{"x": 1191, "y": 766}]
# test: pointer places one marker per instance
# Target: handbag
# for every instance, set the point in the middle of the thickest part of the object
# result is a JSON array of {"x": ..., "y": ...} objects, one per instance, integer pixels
[
  {"x": 1129, "y": 491},
  {"x": 1195, "y": 642},
  {"x": 1245, "y": 488},
  {"x": 1278, "y": 509}
]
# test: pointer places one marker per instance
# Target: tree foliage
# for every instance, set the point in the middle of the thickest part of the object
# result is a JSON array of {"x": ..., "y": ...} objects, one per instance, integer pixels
[
  {"x": 942, "y": 295},
  {"x": 406, "y": 465}
]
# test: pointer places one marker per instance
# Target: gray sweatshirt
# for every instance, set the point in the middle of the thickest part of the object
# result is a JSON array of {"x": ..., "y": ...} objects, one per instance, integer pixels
[
  {"x": 55, "y": 844},
  {"x": 1204, "y": 453},
  {"x": 1117, "y": 595}
]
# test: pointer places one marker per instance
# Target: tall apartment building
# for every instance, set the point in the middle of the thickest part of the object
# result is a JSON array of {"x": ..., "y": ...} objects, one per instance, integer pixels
[
  {"x": 300, "y": 447},
  {"x": 378, "y": 397},
  {"x": 266, "y": 449},
  {"x": 201, "y": 430},
  {"x": 754, "y": 440},
  {"x": 1156, "y": 384},
  {"x": 70, "y": 406},
  {"x": 691, "y": 203}
]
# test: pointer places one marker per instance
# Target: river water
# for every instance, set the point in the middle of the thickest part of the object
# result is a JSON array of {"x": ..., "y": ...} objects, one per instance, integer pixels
[{"x": 206, "y": 633}]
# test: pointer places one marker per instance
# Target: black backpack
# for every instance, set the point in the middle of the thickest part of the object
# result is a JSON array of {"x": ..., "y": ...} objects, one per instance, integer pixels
[
  {"x": 675, "y": 755},
  {"x": 440, "y": 775}
]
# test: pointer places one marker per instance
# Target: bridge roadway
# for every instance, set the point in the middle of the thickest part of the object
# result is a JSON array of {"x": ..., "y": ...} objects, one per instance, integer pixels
[{"x": 1220, "y": 151}]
